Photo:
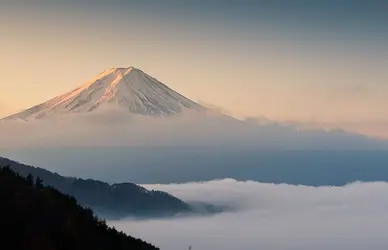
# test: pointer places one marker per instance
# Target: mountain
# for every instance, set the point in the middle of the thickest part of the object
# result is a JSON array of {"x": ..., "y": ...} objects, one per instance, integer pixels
[
  {"x": 124, "y": 107},
  {"x": 112, "y": 201},
  {"x": 36, "y": 217},
  {"x": 127, "y": 89}
]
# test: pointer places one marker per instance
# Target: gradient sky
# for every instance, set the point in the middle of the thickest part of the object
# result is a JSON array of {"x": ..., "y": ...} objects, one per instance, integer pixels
[{"x": 324, "y": 61}]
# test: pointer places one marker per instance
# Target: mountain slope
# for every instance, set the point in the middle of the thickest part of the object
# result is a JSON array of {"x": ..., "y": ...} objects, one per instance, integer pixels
[
  {"x": 128, "y": 89},
  {"x": 117, "y": 200},
  {"x": 36, "y": 217}
]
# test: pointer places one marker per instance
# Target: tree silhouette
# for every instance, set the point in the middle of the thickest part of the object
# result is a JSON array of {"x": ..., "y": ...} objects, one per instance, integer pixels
[
  {"x": 30, "y": 179},
  {"x": 38, "y": 182}
]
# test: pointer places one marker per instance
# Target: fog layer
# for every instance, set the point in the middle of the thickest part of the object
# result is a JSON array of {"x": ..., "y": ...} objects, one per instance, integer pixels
[{"x": 273, "y": 216}]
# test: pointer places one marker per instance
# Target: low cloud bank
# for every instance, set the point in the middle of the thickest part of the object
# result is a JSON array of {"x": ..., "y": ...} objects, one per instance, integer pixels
[
  {"x": 273, "y": 216},
  {"x": 118, "y": 128}
]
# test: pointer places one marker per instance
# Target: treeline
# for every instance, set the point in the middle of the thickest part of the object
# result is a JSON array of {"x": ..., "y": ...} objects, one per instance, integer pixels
[
  {"x": 36, "y": 217},
  {"x": 110, "y": 201}
]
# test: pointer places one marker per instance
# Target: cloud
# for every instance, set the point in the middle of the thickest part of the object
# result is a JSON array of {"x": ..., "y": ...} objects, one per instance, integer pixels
[
  {"x": 377, "y": 129},
  {"x": 270, "y": 216},
  {"x": 215, "y": 108},
  {"x": 118, "y": 128}
]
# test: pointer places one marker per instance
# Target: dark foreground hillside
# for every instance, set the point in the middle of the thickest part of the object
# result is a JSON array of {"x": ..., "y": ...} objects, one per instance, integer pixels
[
  {"x": 35, "y": 217},
  {"x": 110, "y": 201}
]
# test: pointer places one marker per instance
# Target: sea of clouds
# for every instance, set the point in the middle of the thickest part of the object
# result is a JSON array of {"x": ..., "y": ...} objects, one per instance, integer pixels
[{"x": 272, "y": 217}]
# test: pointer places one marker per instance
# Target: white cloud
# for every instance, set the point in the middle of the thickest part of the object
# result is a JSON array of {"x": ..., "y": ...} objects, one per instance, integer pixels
[{"x": 270, "y": 216}]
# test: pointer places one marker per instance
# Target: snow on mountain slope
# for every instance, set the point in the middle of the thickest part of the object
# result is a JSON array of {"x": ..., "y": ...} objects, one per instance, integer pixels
[{"x": 128, "y": 89}]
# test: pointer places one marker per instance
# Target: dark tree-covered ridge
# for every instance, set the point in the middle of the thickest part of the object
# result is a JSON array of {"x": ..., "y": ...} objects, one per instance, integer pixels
[
  {"x": 109, "y": 201},
  {"x": 36, "y": 217}
]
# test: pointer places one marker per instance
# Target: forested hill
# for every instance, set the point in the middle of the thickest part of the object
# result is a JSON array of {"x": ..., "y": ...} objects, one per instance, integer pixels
[
  {"x": 35, "y": 217},
  {"x": 110, "y": 201}
]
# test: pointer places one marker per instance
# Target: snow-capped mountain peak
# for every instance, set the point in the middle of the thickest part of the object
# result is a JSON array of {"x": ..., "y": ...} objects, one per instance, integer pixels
[{"x": 128, "y": 89}]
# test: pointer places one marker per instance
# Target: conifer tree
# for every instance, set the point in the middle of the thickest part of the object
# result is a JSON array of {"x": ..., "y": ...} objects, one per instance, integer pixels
[{"x": 30, "y": 179}]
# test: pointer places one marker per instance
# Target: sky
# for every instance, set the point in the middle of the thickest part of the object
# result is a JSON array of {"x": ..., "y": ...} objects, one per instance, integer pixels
[
  {"x": 270, "y": 216},
  {"x": 321, "y": 61}
]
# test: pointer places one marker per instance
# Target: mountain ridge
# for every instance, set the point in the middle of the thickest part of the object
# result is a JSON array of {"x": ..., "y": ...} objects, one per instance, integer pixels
[{"x": 110, "y": 200}]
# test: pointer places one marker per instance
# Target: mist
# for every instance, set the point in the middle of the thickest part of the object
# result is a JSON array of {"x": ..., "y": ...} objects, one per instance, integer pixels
[
  {"x": 273, "y": 216},
  {"x": 118, "y": 128},
  {"x": 116, "y": 147}
]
